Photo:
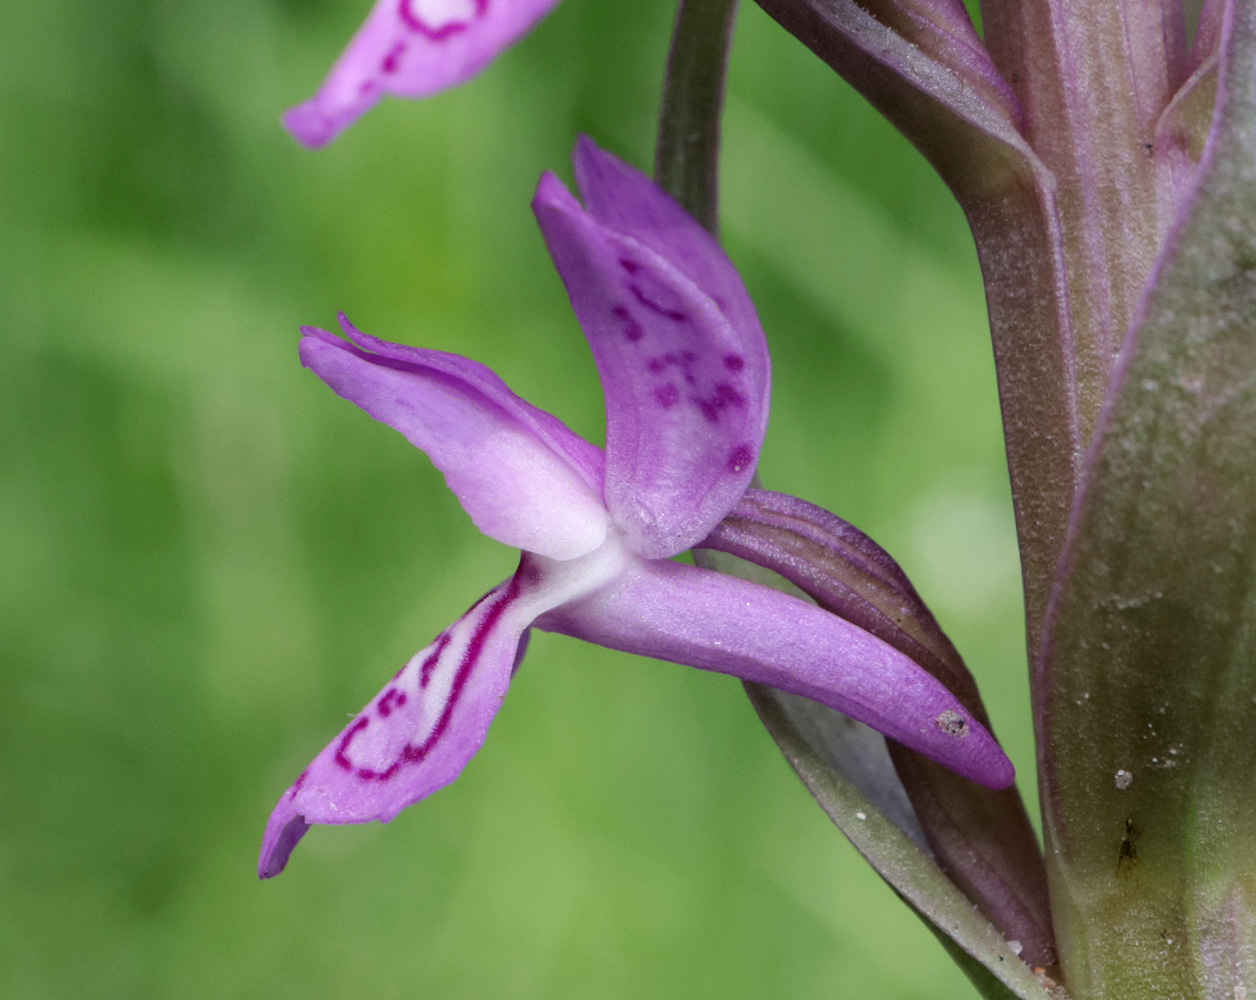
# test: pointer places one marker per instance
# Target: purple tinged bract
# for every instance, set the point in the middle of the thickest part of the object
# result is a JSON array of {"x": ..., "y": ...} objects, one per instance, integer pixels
[{"x": 685, "y": 370}]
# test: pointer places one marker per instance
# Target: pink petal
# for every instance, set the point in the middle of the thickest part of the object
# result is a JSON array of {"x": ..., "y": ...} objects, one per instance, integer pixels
[
  {"x": 525, "y": 479},
  {"x": 704, "y": 619},
  {"x": 431, "y": 718},
  {"x": 415, "y": 737},
  {"x": 411, "y": 48},
  {"x": 686, "y": 389},
  {"x": 625, "y": 201}
]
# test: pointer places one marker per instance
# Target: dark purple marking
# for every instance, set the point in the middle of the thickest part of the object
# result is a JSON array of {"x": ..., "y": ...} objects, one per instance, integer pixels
[
  {"x": 667, "y": 395},
  {"x": 393, "y": 60},
  {"x": 728, "y": 396},
  {"x": 734, "y": 362},
  {"x": 740, "y": 458},
  {"x": 296, "y": 785},
  {"x": 392, "y": 698},
  {"x": 631, "y": 266},
  {"x": 632, "y": 329},
  {"x": 341, "y": 760},
  {"x": 415, "y": 754},
  {"x": 679, "y": 359},
  {"x": 425, "y": 671},
  {"x": 675, "y": 315},
  {"x": 416, "y": 23},
  {"x": 725, "y": 396}
]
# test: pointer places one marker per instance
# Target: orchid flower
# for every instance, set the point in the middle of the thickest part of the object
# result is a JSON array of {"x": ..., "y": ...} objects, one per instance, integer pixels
[
  {"x": 411, "y": 48},
  {"x": 684, "y": 365}
]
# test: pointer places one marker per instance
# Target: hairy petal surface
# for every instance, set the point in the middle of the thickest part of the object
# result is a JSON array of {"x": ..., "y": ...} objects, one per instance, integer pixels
[
  {"x": 686, "y": 392},
  {"x": 411, "y": 48},
  {"x": 717, "y": 622},
  {"x": 525, "y": 479}
]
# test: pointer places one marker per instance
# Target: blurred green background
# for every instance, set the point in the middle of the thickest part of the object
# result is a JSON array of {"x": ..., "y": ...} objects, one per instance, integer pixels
[{"x": 208, "y": 562}]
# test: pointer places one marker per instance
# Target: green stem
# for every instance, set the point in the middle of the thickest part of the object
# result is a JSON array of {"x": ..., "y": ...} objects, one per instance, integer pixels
[{"x": 686, "y": 161}]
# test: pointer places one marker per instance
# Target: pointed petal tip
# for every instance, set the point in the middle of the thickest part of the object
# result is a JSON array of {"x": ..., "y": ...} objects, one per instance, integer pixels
[
  {"x": 313, "y": 344},
  {"x": 351, "y": 331},
  {"x": 552, "y": 193},
  {"x": 309, "y": 126},
  {"x": 587, "y": 153},
  {"x": 283, "y": 833},
  {"x": 978, "y": 756},
  {"x": 998, "y": 773}
]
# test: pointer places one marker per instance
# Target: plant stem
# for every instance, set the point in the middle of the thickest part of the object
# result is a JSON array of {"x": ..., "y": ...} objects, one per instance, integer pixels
[{"x": 686, "y": 161}]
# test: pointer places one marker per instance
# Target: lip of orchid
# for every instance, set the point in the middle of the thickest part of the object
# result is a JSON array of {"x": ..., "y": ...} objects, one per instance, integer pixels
[{"x": 591, "y": 565}]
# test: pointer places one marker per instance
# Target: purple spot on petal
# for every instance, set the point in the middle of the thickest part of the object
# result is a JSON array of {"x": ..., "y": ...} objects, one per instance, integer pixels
[
  {"x": 631, "y": 266},
  {"x": 675, "y": 315},
  {"x": 734, "y": 362},
  {"x": 724, "y": 397},
  {"x": 667, "y": 395},
  {"x": 740, "y": 458},
  {"x": 655, "y": 366},
  {"x": 390, "y": 698},
  {"x": 393, "y": 60},
  {"x": 632, "y": 329}
]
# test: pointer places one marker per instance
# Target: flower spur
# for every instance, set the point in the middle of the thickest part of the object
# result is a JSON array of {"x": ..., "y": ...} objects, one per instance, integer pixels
[{"x": 685, "y": 370}]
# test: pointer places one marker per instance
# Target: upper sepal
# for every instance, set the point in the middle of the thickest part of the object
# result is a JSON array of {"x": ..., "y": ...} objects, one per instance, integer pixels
[
  {"x": 523, "y": 476},
  {"x": 681, "y": 355}
]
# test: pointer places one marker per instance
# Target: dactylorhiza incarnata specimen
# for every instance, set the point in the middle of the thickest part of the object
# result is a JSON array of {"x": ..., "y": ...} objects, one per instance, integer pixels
[{"x": 685, "y": 371}]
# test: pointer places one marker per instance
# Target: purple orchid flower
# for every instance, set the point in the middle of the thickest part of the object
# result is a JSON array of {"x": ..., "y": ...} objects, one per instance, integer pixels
[
  {"x": 684, "y": 365},
  {"x": 411, "y": 48}
]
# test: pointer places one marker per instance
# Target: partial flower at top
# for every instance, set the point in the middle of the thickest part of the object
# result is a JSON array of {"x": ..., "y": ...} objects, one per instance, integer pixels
[
  {"x": 411, "y": 48},
  {"x": 684, "y": 366}
]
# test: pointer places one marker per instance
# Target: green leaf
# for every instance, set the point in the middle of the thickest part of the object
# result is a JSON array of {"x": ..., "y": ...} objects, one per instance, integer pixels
[
  {"x": 1146, "y": 692},
  {"x": 991, "y": 962}
]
